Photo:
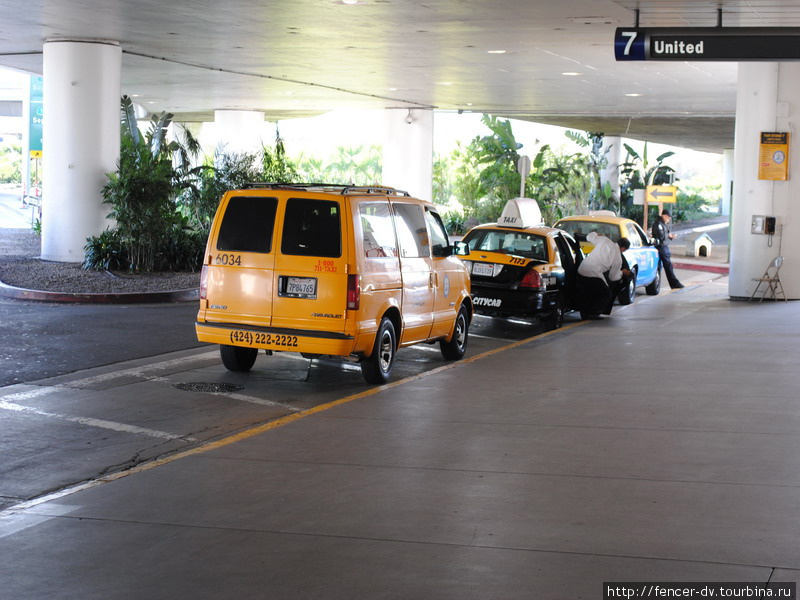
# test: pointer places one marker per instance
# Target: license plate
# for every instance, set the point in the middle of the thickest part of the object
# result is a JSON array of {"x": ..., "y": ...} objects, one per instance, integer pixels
[
  {"x": 482, "y": 269},
  {"x": 300, "y": 287}
]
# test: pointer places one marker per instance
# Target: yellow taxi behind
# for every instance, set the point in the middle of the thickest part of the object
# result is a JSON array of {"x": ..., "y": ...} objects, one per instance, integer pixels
[{"x": 642, "y": 256}]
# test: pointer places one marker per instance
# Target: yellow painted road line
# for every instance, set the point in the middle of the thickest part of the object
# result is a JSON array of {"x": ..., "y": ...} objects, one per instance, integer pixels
[{"x": 276, "y": 424}]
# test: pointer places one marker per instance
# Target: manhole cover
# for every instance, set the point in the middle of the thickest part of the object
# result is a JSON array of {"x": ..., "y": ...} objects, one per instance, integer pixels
[{"x": 209, "y": 388}]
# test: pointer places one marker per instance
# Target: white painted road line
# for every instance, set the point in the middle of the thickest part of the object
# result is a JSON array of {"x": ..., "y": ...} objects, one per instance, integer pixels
[
  {"x": 141, "y": 372},
  {"x": 102, "y": 424}
]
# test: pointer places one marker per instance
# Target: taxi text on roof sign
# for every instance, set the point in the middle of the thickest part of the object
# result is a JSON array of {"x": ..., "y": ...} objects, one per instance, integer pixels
[
  {"x": 707, "y": 43},
  {"x": 521, "y": 212}
]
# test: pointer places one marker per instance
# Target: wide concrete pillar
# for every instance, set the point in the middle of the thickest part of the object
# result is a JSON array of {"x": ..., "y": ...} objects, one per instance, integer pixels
[
  {"x": 240, "y": 131},
  {"x": 727, "y": 181},
  {"x": 408, "y": 151},
  {"x": 80, "y": 142},
  {"x": 768, "y": 99}
]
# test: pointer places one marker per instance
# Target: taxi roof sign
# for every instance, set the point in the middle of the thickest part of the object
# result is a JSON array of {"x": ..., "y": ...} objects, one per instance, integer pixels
[{"x": 521, "y": 212}]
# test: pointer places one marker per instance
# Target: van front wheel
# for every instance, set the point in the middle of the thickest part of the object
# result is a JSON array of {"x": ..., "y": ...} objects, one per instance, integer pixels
[
  {"x": 456, "y": 347},
  {"x": 377, "y": 367},
  {"x": 236, "y": 358}
]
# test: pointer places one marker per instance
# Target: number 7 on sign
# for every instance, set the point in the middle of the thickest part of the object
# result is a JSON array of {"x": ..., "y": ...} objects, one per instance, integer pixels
[{"x": 629, "y": 44}]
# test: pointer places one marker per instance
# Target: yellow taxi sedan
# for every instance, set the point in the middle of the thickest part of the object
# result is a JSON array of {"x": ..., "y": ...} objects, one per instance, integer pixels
[
  {"x": 521, "y": 268},
  {"x": 642, "y": 256}
]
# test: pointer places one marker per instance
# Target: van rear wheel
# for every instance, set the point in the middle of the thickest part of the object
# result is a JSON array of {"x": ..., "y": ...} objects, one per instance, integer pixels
[
  {"x": 377, "y": 367},
  {"x": 455, "y": 348},
  {"x": 236, "y": 358}
]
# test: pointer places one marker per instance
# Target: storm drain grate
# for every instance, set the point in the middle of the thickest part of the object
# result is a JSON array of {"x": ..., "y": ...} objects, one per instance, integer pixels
[{"x": 209, "y": 388}]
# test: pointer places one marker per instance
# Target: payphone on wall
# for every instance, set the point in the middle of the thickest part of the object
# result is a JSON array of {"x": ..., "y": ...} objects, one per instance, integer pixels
[{"x": 762, "y": 224}]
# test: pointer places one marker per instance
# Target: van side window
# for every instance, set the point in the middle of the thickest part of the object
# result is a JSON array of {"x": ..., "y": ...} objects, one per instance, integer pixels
[
  {"x": 377, "y": 230},
  {"x": 411, "y": 230},
  {"x": 312, "y": 228},
  {"x": 437, "y": 232},
  {"x": 248, "y": 225}
]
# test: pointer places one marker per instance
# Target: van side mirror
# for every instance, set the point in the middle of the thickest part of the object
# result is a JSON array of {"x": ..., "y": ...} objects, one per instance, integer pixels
[
  {"x": 461, "y": 249},
  {"x": 458, "y": 249}
]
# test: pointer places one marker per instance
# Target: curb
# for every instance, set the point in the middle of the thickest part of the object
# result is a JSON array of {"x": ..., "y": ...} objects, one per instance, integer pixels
[
  {"x": 720, "y": 269},
  {"x": 16, "y": 293}
]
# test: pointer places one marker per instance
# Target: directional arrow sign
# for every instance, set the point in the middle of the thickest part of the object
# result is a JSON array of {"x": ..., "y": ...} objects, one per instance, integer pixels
[{"x": 661, "y": 193}]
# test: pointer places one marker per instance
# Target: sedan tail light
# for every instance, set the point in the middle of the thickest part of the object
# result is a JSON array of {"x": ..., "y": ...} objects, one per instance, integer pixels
[{"x": 531, "y": 279}]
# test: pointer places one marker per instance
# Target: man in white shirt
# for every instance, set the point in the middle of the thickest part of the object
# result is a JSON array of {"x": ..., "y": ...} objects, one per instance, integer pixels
[{"x": 599, "y": 270}]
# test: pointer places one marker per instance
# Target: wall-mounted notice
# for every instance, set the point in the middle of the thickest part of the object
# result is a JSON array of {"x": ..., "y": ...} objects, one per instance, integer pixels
[{"x": 773, "y": 156}]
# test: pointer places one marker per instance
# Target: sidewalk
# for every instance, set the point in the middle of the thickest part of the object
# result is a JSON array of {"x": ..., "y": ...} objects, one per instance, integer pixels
[{"x": 668, "y": 453}]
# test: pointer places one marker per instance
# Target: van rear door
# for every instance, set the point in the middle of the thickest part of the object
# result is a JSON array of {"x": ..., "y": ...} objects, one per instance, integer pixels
[
  {"x": 241, "y": 262},
  {"x": 310, "y": 278}
]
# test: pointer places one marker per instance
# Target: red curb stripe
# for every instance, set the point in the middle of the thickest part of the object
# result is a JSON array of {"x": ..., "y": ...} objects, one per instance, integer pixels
[{"x": 721, "y": 269}]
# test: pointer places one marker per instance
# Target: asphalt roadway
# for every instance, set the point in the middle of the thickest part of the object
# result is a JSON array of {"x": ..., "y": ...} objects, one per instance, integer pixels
[{"x": 70, "y": 353}]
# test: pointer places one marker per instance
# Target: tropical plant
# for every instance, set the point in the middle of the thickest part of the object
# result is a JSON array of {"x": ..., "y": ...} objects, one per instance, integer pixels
[
  {"x": 357, "y": 165},
  {"x": 10, "y": 163},
  {"x": 105, "y": 251},
  {"x": 637, "y": 172},
  {"x": 141, "y": 193},
  {"x": 601, "y": 195}
]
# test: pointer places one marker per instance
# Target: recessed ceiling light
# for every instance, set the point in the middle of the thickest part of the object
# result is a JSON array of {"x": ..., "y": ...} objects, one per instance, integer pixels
[
  {"x": 392, "y": 89},
  {"x": 496, "y": 51},
  {"x": 572, "y": 74},
  {"x": 469, "y": 103},
  {"x": 444, "y": 82},
  {"x": 633, "y": 95}
]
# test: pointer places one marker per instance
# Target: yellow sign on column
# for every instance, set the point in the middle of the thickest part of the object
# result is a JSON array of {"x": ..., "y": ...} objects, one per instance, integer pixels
[
  {"x": 655, "y": 194},
  {"x": 773, "y": 156}
]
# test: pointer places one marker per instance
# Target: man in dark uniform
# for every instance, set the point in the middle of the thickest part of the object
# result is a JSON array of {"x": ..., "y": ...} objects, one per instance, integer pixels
[{"x": 661, "y": 233}]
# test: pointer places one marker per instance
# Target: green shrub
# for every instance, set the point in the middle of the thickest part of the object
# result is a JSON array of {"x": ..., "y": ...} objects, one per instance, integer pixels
[{"x": 105, "y": 251}]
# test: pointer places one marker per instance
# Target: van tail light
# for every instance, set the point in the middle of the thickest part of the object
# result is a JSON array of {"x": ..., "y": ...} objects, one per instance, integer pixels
[
  {"x": 353, "y": 292},
  {"x": 204, "y": 282},
  {"x": 531, "y": 279}
]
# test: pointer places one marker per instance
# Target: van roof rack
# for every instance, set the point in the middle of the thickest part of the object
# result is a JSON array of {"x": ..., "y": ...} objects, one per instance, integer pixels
[
  {"x": 373, "y": 189},
  {"x": 340, "y": 187},
  {"x": 286, "y": 185}
]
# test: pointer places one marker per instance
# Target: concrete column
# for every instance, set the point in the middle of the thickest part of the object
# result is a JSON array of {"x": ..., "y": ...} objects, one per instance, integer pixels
[
  {"x": 240, "y": 130},
  {"x": 611, "y": 172},
  {"x": 727, "y": 181},
  {"x": 768, "y": 99},
  {"x": 80, "y": 142},
  {"x": 408, "y": 151}
]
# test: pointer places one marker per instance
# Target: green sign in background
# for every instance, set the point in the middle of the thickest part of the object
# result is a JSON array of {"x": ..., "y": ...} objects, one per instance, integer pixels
[{"x": 37, "y": 112}]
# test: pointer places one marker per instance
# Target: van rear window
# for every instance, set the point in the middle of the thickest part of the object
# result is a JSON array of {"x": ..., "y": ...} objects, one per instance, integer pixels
[
  {"x": 248, "y": 224},
  {"x": 312, "y": 228}
]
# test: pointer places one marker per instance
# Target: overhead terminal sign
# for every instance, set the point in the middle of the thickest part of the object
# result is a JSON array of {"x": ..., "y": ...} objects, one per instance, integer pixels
[
  {"x": 707, "y": 43},
  {"x": 655, "y": 194}
]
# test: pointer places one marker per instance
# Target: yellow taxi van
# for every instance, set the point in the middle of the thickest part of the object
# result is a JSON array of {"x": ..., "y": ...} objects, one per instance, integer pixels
[{"x": 331, "y": 270}]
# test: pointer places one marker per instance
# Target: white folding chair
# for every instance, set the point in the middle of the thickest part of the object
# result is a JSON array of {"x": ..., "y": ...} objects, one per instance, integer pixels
[{"x": 771, "y": 280}]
